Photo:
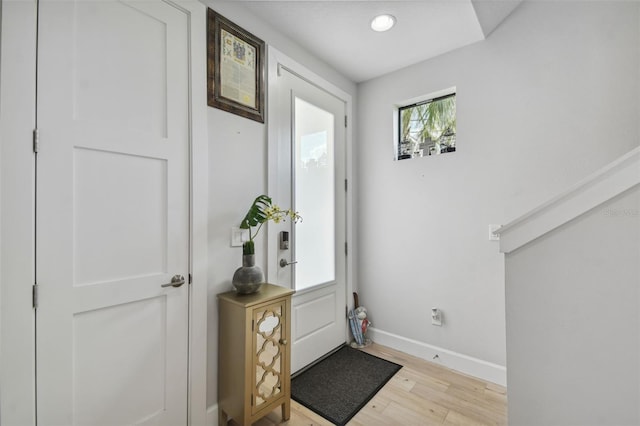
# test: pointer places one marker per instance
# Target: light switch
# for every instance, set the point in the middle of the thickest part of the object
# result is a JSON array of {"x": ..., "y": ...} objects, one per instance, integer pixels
[
  {"x": 492, "y": 233},
  {"x": 238, "y": 236}
]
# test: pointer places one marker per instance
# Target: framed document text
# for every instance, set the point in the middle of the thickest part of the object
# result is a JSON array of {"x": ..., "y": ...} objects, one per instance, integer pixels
[{"x": 235, "y": 68}]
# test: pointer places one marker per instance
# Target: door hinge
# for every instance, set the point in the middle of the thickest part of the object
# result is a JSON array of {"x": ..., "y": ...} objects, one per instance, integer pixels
[
  {"x": 345, "y": 121},
  {"x": 190, "y": 279},
  {"x": 345, "y": 185},
  {"x": 34, "y": 296},
  {"x": 36, "y": 140},
  {"x": 252, "y": 400},
  {"x": 346, "y": 248},
  {"x": 253, "y": 325}
]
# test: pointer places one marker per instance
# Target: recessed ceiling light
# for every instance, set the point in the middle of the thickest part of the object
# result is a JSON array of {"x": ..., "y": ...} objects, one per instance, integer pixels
[{"x": 383, "y": 22}]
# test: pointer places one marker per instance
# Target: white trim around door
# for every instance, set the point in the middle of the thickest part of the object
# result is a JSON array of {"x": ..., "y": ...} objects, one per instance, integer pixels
[{"x": 17, "y": 182}]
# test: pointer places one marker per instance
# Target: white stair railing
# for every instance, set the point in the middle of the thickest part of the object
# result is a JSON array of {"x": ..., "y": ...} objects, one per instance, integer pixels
[{"x": 608, "y": 182}]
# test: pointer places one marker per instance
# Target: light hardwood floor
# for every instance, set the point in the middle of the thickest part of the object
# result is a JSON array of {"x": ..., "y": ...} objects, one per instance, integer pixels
[{"x": 421, "y": 393}]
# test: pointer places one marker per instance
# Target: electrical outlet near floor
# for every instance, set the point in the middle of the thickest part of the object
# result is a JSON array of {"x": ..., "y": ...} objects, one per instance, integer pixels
[{"x": 436, "y": 317}]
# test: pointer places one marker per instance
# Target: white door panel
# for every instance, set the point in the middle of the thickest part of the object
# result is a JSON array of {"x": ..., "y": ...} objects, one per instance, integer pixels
[
  {"x": 135, "y": 356},
  {"x": 131, "y": 240},
  {"x": 112, "y": 213},
  {"x": 314, "y": 315},
  {"x": 310, "y": 162}
]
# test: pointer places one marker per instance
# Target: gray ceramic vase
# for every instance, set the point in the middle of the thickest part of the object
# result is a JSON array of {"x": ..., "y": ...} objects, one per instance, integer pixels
[{"x": 248, "y": 278}]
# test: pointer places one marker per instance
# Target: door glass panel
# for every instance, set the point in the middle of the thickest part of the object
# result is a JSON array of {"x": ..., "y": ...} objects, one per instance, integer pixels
[{"x": 314, "y": 195}]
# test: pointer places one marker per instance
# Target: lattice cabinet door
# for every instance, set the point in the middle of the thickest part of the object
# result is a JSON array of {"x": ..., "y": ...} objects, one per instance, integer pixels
[{"x": 270, "y": 349}]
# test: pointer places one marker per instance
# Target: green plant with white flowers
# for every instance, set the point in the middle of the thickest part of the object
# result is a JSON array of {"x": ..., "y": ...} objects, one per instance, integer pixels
[{"x": 261, "y": 211}]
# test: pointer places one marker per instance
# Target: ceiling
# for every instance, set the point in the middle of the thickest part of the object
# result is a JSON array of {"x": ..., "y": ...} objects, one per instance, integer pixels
[{"x": 338, "y": 31}]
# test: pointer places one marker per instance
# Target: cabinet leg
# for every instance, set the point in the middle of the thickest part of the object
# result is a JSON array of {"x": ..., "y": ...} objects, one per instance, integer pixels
[
  {"x": 286, "y": 410},
  {"x": 222, "y": 418}
]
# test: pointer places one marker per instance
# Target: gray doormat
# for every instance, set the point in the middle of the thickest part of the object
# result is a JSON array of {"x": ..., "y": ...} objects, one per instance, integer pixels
[{"x": 339, "y": 386}]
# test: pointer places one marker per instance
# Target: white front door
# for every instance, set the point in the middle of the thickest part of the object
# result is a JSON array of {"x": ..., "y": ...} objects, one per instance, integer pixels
[
  {"x": 311, "y": 179},
  {"x": 112, "y": 213}
]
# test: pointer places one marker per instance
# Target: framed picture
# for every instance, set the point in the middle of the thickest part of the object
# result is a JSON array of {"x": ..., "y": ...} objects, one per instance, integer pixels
[{"x": 235, "y": 68}]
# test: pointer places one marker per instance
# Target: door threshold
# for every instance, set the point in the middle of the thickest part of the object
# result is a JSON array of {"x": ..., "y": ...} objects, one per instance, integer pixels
[{"x": 327, "y": 355}]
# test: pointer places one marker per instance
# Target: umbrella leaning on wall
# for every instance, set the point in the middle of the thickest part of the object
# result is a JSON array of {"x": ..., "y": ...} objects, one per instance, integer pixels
[{"x": 359, "y": 323}]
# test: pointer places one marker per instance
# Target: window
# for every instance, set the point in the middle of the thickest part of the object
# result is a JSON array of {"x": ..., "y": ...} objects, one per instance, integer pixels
[{"x": 427, "y": 127}]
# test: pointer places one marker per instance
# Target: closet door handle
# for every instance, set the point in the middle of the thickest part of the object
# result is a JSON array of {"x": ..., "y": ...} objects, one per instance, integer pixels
[{"x": 176, "y": 281}]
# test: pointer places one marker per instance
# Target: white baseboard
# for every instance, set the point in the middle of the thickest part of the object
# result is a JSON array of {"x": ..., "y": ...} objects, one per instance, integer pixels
[
  {"x": 463, "y": 363},
  {"x": 212, "y": 415}
]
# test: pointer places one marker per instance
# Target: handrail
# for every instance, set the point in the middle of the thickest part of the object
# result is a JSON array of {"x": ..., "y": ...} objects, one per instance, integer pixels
[{"x": 611, "y": 180}]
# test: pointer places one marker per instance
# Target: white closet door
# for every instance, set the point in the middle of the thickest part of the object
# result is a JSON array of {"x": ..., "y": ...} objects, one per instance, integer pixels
[{"x": 112, "y": 213}]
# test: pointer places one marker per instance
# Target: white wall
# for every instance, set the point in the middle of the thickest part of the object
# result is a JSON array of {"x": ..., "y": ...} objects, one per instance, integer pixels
[
  {"x": 573, "y": 312},
  {"x": 549, "y": 97},
  {"x": 238, "y": 173}
]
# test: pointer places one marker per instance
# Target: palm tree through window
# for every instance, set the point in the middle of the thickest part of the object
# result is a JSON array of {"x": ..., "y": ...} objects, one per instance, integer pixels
[{"x": 427, "y": 128}]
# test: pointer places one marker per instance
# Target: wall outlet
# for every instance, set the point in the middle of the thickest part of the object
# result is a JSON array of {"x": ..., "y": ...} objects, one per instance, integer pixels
[{"x": 436, "y": 317}]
